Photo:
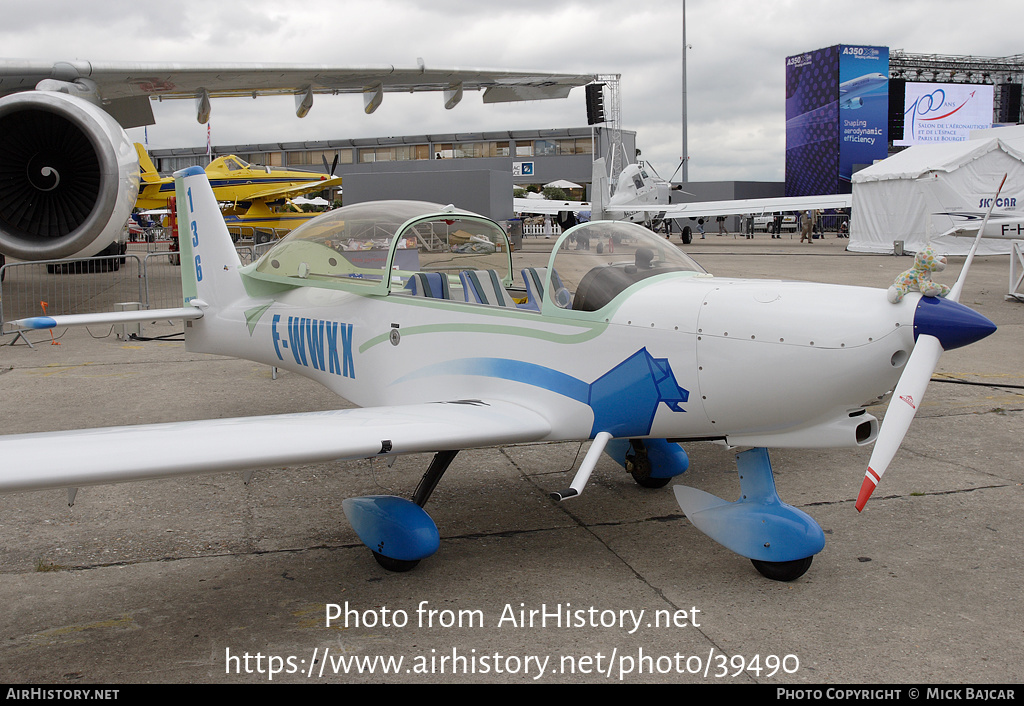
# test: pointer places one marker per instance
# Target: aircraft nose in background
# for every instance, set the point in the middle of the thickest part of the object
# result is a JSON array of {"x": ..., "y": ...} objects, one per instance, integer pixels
[{"x": 952, "y": 323}]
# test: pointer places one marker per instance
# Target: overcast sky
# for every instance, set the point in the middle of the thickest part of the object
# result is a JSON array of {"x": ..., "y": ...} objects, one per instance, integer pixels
[{"x": 735, "y": 61}]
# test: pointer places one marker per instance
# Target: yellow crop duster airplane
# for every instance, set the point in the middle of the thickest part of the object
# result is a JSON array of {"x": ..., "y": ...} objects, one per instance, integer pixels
[{"x": 249, "y": 190}]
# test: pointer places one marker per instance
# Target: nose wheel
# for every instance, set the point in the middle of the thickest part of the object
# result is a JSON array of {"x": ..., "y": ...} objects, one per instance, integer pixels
[{"x": 639, "y": 466}]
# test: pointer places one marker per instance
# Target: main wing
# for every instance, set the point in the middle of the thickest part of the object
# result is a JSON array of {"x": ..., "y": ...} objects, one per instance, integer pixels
[
  {"x": 548, "y": 206},
  {"x": 738, "y": 206},
  {"x": 70, "y": 459},
  {"x": 697, "y": 209}
]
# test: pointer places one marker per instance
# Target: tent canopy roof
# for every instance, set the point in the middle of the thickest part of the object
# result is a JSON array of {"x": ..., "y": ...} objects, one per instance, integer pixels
[{"x": 920, "y": 159}]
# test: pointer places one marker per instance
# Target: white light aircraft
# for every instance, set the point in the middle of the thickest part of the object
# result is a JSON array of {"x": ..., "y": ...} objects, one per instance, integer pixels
[
  {"x": 71, "y": 175},
  {"x": 409, "y": 310},
  {"x": 639, "y": 198}
]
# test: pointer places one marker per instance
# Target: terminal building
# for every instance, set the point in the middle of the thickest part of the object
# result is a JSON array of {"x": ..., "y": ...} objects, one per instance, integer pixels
[{"x": 475, "y": 171}]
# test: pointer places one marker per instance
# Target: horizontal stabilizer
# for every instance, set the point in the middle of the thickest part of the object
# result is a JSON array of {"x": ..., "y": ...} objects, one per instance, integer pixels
[{"x": 185, "y": 313}]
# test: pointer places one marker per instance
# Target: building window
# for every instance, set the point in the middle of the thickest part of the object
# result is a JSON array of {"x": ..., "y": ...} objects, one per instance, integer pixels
[
  {"x": 577, "y": 146},
  {"x": 306, "y": 158},
  {"x": 411, "y": 152},
  {"x": 544, "y": 148}
]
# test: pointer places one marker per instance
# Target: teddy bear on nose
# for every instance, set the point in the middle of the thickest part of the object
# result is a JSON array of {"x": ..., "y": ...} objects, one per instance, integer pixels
[{"x": 919, "y": 277}]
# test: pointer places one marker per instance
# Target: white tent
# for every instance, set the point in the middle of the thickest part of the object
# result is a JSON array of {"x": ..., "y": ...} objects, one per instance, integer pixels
[
  {"x": 563, "y": 184},
  {"x": 921, "y": 193}
]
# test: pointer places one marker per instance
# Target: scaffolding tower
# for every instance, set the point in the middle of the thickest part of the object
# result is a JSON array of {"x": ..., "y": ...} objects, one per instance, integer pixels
[{"x": 613, "y": 125}]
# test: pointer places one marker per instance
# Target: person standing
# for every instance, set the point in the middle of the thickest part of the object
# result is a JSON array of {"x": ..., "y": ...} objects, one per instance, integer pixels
[{"x": 806, "y": 224}]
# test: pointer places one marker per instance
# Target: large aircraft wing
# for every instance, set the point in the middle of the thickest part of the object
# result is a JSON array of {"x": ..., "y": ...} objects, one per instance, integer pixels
[
  {"x": 92, "y": 103},
  {"x": 70, "y": 459},
  {"x": 738, "y": 206},
  {"x": 127, "y": 81}
]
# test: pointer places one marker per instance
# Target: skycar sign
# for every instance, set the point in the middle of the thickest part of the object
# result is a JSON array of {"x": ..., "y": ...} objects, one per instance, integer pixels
[{"x": 945, "y": 112}]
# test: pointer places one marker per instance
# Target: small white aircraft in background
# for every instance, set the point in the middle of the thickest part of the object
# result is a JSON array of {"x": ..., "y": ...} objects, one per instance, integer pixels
[
  {"x": 641, "y": 198},
  {"x": 71, "y": 174},
  {"x": 415, "y": 313}
]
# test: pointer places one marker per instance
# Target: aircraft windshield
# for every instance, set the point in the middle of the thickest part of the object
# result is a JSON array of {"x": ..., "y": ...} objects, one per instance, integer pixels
[
  {"x": 234, "y": 164},
  {"x": 382, "y": 244},
  {"x": 594, "y": 262}
]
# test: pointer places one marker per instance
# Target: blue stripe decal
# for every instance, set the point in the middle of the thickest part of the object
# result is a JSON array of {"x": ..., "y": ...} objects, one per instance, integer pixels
[{"x": 624, "y": 400}]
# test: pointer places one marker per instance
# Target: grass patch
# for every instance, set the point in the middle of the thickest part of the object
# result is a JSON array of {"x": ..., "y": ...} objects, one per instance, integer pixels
[{"x": 44, "y": 566}]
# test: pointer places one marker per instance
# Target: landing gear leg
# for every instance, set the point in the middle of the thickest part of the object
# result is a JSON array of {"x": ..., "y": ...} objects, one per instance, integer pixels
[{"x": 438, "y": 465}]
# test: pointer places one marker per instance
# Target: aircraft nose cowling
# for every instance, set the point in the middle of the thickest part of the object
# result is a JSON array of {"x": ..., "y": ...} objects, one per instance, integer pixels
[{"x": 952, "y": 323}]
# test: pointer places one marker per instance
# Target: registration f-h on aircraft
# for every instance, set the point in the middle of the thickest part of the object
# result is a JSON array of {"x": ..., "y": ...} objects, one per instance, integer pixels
[{"x": 415, "y": 313}]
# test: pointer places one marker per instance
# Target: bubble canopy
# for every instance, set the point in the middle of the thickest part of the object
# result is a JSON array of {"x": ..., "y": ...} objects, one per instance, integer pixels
[
  {"x": 594, "y": 262},
  {"x": 376, "y": 246}
]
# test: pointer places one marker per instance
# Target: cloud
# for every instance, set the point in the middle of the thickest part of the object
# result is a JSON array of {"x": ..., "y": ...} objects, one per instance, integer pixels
[{"x": 735, "y": 63}]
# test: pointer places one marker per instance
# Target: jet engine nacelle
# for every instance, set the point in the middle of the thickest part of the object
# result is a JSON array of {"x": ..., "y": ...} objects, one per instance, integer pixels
[
  {"x": 854, "y": 103},
  {"x": 69, "y": 176}
]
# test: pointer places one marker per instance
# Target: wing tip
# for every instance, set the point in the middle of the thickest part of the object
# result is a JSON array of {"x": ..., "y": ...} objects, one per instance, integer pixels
[{"x": 36, "y": 322}]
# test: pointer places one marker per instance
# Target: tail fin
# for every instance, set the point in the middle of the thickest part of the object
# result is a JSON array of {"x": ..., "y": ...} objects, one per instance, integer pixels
[
  {"x": 209, "y": 262},
  {"x": 146, "y": 166}
]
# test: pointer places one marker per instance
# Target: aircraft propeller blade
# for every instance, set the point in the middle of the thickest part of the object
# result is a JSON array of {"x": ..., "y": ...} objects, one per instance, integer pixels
[
  {"x": 334, "y": 165},
  {"x": 958, "y": 286},
  {"x": 906, "y": 400},
  {"x": 956, "y": 326}
]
